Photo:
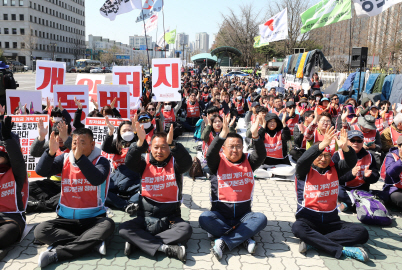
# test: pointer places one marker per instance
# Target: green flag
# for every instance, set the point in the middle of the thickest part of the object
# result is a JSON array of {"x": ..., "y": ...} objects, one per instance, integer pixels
[
  {"x": 170, "y": 37},
  {"x": 325, "y": 13},
  {"x": 258, "y": 43}
]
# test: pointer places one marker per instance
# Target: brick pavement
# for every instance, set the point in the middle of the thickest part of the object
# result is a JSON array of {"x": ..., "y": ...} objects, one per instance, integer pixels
[{"x": 277, "y": 247}]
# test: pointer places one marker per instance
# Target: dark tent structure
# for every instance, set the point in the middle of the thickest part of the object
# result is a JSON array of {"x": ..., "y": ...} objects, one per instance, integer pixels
[
  {"x": 204, "y": 59},
  {"x": 225, "y": 55}
]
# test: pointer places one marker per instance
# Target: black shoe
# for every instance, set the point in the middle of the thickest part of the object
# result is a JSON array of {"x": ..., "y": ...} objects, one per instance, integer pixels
[
  {"x": 31, "y": 206},
  {"x": 127, "y": 249},
  {"x": 131, "y": 208},
  {"x": 47, "y": 257},
  {"x": 175, "y": 251}
]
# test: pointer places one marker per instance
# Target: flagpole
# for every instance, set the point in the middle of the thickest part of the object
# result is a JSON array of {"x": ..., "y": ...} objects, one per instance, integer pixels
[
  {"x": 145, "y": 30},
  {"x": 164, "y": 33}
]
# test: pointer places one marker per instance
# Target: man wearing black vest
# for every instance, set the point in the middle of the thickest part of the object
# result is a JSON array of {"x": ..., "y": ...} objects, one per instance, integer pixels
[{"x": 158, "y": 226}]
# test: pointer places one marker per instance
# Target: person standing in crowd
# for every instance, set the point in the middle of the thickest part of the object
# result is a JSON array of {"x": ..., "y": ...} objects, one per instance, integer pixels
[
  {"x": 292, "y": 119},
  {"x": 81, "y": 224},
  {"x": 361, "y": 176},
  {"x": 315, "y": 84},
  {"x": 14, "y": 187},
  {"x": 124, "y": 183},
  {"x": 193, "y": 108},
  {"x": 317, "y": 222},
  {"x": 158, "y": 225},
  {"x": 230, "y": 219},
  {"x": 391, "y": 134},
  {"x": 44, "y": 195}
]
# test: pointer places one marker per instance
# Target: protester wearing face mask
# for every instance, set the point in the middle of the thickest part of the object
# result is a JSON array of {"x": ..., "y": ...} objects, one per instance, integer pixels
[
  {"x": 301, "y": 106},
  {"x": 240, "y": 104},
  {"x": 145, "y": 122},
  {"x": 193, "y": 108},
  {"x": 124, "y": 183}
]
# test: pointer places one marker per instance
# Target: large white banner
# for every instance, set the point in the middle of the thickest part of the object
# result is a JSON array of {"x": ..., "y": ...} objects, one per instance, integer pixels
[
  {"x": 132, "y": 76},
  {"x": 26, "y": 126},
  {"x": 18, "y": 98},
  {"x": 276, "y": 28},
  {"x": 151, "y": 24},
  {"x": 166, "y": 81},
  {"x": 48, "y": 74},
  {"x": 373, "y": 7},
  {"x": 150, "y": 8},
  {"x": 107, "y": 93},
  {"x": 66, "y": 94},
  {"x": 92, "y": 81},
  {"x": 112, "y": 8}
]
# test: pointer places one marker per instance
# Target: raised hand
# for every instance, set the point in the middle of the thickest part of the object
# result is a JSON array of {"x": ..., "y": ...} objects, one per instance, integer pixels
[
  {"x": 47, "y": 104},
  {"x": 354, "y": 120},
  {"x": 6, "y": 127},
  {"x": 284, "y": 119},
  {"x": 60, "y": 107},
  {"x": 63, "y": 130},
  {"x": 140, "y": 134},
  {"x": 343, "y": 140},
  {"x": 329, "y": 135},
  {"x": 95, "y": 104},
  {"x": 24, "y": 109},
  {"x": 113, "y": 102},
  {"x": 170, "y": 135},
  {"x": 367, "y": 171},
  {"x": 225, "y": 127},
  {"x": 356, "y": 170},
  {"x": 78, "y": 103},
  {"x": 42, "y": 130},
  {"x": 109, "y": 125},
  {"x": 232, "y": 121},
  {"x": 255, "y": 126},
  {"x": 344, "y": 115},
  {"x": 53, "y": 144}
]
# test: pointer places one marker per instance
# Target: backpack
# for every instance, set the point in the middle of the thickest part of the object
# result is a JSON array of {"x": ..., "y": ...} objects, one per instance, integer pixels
[
  {"x": 370, "y": 210},
  {"x": 196, "y": 169},
  {"x": 9, "y": 81}
]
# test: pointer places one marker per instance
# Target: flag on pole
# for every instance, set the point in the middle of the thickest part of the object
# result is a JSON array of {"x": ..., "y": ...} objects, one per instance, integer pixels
[
  {"x": 326, "y": 12},
  {"x": 151, "y": 24},
  {"x": 170, "y": 37},
  {"x": 161, "y": 38},
  {"x": 112, "y": 8},
  {"x": 150, "y": 8},
  {"x": 276, "y": 28},
  {"x": 258, "y": 43},
  {"x": 371, "y": 8}
]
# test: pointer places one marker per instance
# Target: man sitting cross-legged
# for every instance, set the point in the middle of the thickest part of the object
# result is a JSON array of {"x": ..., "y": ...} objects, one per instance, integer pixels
[
  {"x": 81, "y": 224},
  {"x": 158, "y": 225},
  {"x": 232, "y": 183},
  {"x": 317, "y": 221}
]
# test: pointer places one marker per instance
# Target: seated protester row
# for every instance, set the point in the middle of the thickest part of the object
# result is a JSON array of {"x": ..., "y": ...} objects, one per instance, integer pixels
[
  {"x": 158, "y": 225},
  {"x": 193, "y": 108},
  {"x": 317, "y": 222},
  {"x": 299, "y": 140},
  {"x": 391, "y": 172},
  {"x": 391, "y": 134},
  {"x": 230, "y": 219},
  {"x": 361, "y": 176},
  {"x": 317, "y": 129},
  {"x": 124, "y": 184},
  {"x": 14, "y": 184},
  {"x": 145, "y": 120},
  {"x": 240, "y": 104},
  {"x": 44, "y": 195},
  {"x": 81, "y": 224}
]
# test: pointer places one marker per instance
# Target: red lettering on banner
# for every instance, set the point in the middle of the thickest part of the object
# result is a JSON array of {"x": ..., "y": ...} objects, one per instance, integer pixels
[
  {"x": 162, "y": 75},
  {"x": 14, "y": 103},
  {"x": 71, "y": 107},
  {"x": 107, "y": 97},
  {"x": 53, "y": 76},
  {"x": 175, "y": 75},
  {"x": 136, "y": 82}
]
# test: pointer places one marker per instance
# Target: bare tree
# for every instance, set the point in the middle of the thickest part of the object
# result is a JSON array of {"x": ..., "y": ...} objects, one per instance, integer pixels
[
  {"x": 30, "y": 43},
  {"x": 78, "y": 47}
]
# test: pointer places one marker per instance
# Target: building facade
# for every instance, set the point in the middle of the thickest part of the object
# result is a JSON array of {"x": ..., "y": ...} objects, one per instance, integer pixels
[
  {"x": 202, "y": 42},
  {"x": 98, "y": 44},
  {"x": 42, "y": 30},
  {"x": 136, "y": 41}
]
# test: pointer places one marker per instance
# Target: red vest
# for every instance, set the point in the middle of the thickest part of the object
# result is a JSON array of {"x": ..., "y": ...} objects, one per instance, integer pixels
[
  {"x": 205, "y": 97},
  {"x": 159, "y": 183},
  {"x": 235, "y": 181},
  {"x": 273, "y": 145},
  {"x": 274, "y": 111},
  {"x": 383, "y": 171},
  {"x": 389, "y": 117},
  {"x": 379, "y": 124},
  {"x": 321, "y": 191},
  {"x": 193, "y": 111},
  {"x": 169, "y": 116},
  {"x": 318, "y": 137},
  {"x": 292, "y": 122},
  {"x": 118, "y": 160},
  {"x": 363, "y": 163},
  {"x": 369, "y": 136},
  {"x": 76, "y": 191},
  {"x": 57, "y": 177},
  {"x": 239, "y": 106},
  {"x": 394, "y": 135},
  {"x": 8, "y": 201}
]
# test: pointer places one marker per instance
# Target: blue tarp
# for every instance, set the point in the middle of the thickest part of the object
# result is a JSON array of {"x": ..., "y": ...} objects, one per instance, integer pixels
[
  {"x": 370, "y": 83},
  {"x": 356, "y": 82},
  {"x": 348, "y": 83},
  {"x": 387, "y": 87},
  {"x": 396, "y": 93},
  {"x": 274, "y": 77},
  {"x": 288, "y": 65}
]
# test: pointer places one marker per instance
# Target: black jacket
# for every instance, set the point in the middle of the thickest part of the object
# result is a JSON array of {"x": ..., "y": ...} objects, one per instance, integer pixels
[{"x": 182, "y": 164}]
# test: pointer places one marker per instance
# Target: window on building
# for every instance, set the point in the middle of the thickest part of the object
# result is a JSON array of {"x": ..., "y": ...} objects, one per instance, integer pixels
[
  {"x": 15, "y": 45},
  {"x": 30, "y": 18},
  {"x": 5, "y": 3},
  {"x": 22, "y": 31},
  {"x": 13, "y": 17},
  {"x": 12, "y": 2},
  {"x": 36, "y": 33},
  {"x": 34, "y": 5},
  {"x": 6, "y": 31},
  {"x": 21, "y": 17},
  {"x": 43, "y": 10},
  {"x": 32, "y": 32},
  {"x": 22, "y": 45},
  {"x": 38, "y": 7},
  {"x": 5, "y": 17},
  {"x": 30, "y": 4},
  {"x": 40, "y": 46},
  {"x": 47, "y": 35},
  {"x": 14, "y": 31},
  {"x": 21, "y": 3},
  {"x": 40, "y": 33},
  {"x": 35, "y": 19},
  {"x": 6, "y": 45}
]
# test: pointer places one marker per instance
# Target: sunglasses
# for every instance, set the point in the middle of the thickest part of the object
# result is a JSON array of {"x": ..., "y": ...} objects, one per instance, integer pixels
[
  {"x": 151, "y": 109},
  {"x": 335, "y": 99},
  {"x": 355, "y": 141},
  {"x": 167, "y": 104}
]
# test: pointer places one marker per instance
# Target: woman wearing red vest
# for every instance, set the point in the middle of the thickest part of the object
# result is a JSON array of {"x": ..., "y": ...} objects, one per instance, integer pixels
[
  {"x": 14, "y": 187},
  {"x": 391, "y": 134},
  {"x": 276, "y": 135},
  {"x": 317, "y": 221},
  {"x": 362, "y": 175},
  {"x": 158, "y": 225},
  {"x": 232, "y": 184},
  {"x": 124, "y": 183}
]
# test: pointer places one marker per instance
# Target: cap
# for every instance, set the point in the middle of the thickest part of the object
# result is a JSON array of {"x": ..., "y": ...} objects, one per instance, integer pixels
[
  {"x": 303, "y": 99},
  {"x": 355, "y": 133},
  {"x": 399, "y": 140},
  {"x": 255, "y": 103},
  {"x": 324, "y": 99},
  {"x": 374, "y": 107},
  {"x": 144, "y": 118},
  {"x": 367, "y": 121},
  {"x": 290, "y": 104}
]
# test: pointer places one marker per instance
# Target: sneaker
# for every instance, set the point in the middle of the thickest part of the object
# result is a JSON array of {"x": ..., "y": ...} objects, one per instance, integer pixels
[
  {"x": 218, "y": 248},
  {"x": 47, "y": 257},
  {"x": 342, "y": 207},
  {"x": 250, "y": 245},
  {"x": 175, "y": 251},
  {"x": 131, "y": 208},
  {"x": 101, "y": 248},
  {"x": 357, "y": 253},
  {"x": 127, "y": 249},
  {"x": 303, "y": 247}
]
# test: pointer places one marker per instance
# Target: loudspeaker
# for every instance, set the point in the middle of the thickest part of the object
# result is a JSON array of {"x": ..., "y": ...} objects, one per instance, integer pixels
[{"x": 359, "y": 57}]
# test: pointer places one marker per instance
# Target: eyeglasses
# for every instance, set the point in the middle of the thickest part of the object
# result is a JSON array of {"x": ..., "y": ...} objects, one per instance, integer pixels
[
  {"x": 151, "y": 109},
  {"x": 335, "y": 98},
  {"x": 355, "y": 141},
  {"x": 326, "y": 121},
  {"x": 233, "y": 147},
  {"x": 326, "y": 156}
]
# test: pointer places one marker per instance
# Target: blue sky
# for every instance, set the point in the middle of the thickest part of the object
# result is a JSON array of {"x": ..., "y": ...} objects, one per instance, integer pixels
[{"x": 190, "y": 16}]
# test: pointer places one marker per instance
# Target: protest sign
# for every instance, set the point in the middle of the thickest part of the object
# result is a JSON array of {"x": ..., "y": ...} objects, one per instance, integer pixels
[
  {"x": 92, "y": 81},
  {"x": 48, "y": 74},
  {"x": 132, "y": 76},
  {"x": 26, "y": 126},
  {"x": 166, "y": 79},
  {"x": 67, "y": 93},
  {"x": 15, "y": 98},
  {"x": 106, "y": 94}
]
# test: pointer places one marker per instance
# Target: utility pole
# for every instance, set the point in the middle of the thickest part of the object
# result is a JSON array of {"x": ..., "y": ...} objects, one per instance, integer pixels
[{"x": 53, "y": 47}]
